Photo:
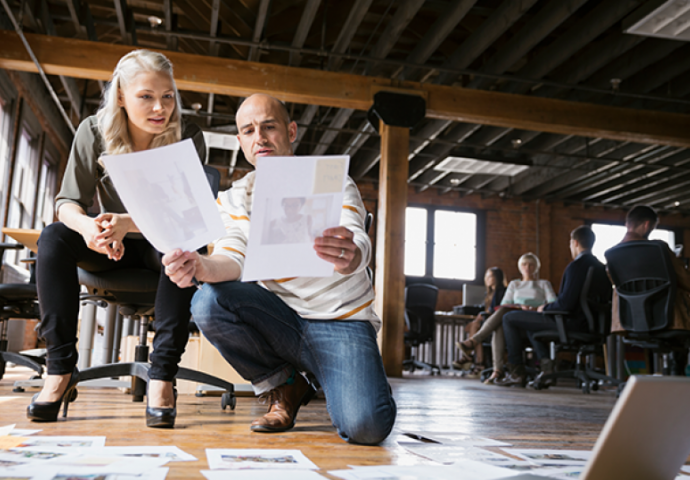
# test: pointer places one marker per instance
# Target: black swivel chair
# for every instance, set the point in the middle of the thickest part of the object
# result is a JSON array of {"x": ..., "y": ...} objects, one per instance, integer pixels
[
  {"x": 420, "y": 319},
  {"x": 595, "y": 301},
  {"x": 17, "y": 300},
  {"x": 134, "y": 291},
  {"x": 646, "y": 284}
]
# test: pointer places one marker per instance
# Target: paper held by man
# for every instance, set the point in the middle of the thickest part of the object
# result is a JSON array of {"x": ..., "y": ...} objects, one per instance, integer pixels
[{"x": 166, "y": 192}]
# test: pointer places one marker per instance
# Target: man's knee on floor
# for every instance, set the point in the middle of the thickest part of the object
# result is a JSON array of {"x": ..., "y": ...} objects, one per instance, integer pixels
[{"x": 368, "y": 428}]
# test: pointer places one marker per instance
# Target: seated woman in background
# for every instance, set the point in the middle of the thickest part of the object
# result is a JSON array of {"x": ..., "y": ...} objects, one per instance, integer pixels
[
  {"x": 494, "y": 281},
  {"x": 527, "y": 294}
]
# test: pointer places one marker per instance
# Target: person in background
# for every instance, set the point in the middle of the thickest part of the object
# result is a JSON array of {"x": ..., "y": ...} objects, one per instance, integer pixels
[
  {"x": 140, "y": 111},
  {"x": 640, "y": 221},
  {"x": 526, "y": 294},
  {"x": 494, "y": 281},
  {"x": 518, "y": 323}
]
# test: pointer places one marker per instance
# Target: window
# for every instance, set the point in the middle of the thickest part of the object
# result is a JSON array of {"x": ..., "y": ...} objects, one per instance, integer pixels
[
  {"x": 610, "y": 235},
  {"x": 441, "y": 243},
  {"x": 5, "y": 134}
]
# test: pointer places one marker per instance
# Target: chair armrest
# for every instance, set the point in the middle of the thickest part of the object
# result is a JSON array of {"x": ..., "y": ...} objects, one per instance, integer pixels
[
  {"x": 11, "y": 246},
  {"x": 560, "y": 324}
]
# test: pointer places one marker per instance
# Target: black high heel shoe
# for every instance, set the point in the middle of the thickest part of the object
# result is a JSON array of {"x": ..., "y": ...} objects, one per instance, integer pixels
[
  {"x": 48, "y": 411},
  {"x": 157, "y": 417}
]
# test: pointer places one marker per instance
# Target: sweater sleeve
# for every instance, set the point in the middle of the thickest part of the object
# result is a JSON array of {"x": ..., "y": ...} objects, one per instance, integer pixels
[{"x": 509, "y": 297}]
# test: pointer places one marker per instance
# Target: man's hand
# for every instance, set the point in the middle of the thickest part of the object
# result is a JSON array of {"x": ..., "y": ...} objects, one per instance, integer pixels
[
  {"x": 114, "y": 227},
  {"x": 335, "y": 245},
  {"x": 181, "y": 267},
  {"x": 540, "y": 308}
]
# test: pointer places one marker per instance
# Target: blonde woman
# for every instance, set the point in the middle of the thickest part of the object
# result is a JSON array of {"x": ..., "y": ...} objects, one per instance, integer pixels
[
  {"x": 140, "y": 111},
  {"x": 527, "y": 294}
]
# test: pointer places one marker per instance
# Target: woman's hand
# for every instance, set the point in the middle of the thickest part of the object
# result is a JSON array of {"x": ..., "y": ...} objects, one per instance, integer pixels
[
  {"x": 90, "y": 230},
  {"x": 114, "y": 227}
]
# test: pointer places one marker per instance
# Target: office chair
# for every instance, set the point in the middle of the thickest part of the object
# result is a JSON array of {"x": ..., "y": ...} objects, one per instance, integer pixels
[
  {"x": 134, "y": 292},
  {"x": 595, "y": 301},
  {"x": 646, "y": 285},
  {"x": 420, "y": 319},
  {"x": 18, "y": 300}
]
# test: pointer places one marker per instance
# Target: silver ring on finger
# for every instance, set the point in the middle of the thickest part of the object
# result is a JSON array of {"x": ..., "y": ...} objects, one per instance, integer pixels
[{"x": 342, "y": 253}]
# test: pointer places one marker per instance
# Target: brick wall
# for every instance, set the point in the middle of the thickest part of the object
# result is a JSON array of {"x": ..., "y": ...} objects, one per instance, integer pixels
[{"x": 514, "y": 227}]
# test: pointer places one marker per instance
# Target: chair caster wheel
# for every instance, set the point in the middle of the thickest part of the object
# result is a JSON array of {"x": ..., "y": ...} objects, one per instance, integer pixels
[
  {"x": 35, "y": 377},
  {"x": 18, "y": 390},
  {"x": 228, "y": 400},
  {"x": 199, "y": 394}
]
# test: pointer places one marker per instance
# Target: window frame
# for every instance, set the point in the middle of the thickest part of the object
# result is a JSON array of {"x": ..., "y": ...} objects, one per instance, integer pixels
[
  {"x": 677, "y": 231},
  {"x": 480, "y": 260}
]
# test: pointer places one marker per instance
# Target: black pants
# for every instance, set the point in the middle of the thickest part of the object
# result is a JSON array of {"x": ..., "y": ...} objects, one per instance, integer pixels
[
  {"x": 60, "y": 251},
  {"x": 520, "y": 322}
]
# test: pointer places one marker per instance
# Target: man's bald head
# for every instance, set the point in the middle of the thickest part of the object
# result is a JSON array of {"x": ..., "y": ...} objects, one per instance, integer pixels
[
  {"x": 263, "y": 98},
  {"x": 264, "y": 128}
]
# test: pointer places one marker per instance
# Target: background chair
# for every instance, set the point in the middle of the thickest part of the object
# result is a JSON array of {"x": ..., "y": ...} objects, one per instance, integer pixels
[
  {"x": 595, "y": 301},
  {"x": 133, "y": 292},
  {"x": 646, "y": 285},
  {"x": 420, "y": 319},
  {"x": 17, "y": 300}
]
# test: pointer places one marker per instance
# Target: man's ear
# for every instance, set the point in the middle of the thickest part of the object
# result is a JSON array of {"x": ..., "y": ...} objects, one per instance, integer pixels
[{"x": 292, "y": 131}]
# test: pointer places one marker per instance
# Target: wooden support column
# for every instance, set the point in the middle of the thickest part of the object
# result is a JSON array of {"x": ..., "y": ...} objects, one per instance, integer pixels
[{"x": 390, "y": 245}]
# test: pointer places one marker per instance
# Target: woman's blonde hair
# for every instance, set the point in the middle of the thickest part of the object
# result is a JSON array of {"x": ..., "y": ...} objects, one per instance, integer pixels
[
  {"x": 530, "y": 257},
  {"x": 112, "y": 119}
]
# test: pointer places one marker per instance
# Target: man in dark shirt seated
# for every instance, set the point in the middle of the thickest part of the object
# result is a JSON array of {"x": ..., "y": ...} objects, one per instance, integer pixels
[
  {"x": 640, "y": 221},
  {"x": 515, "y": 324}
]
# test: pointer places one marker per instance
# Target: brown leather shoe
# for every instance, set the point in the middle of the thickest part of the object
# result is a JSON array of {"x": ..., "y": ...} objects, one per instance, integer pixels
[{"x": 284, "y": 402}]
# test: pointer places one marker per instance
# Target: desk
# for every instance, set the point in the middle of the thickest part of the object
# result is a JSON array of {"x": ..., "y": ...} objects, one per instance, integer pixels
[
  {"x": 450, "y": 328},
  {"x": 26, "y": 236}
]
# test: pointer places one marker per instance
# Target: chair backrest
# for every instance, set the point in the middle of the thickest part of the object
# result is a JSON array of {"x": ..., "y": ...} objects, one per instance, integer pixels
[
  {"x": 595, "y": 301},
  {"x": 646, "y": 284},
  {"x": 213, "y": 176},
  {"x": 420, "y": 308}
]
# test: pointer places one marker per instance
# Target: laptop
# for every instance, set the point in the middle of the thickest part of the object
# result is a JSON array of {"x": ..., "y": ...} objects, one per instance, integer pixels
[{"x": 647, "y": 435}]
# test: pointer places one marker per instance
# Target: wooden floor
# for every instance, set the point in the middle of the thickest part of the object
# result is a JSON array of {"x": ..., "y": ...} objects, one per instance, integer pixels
[{"x": 560, "y": 417}]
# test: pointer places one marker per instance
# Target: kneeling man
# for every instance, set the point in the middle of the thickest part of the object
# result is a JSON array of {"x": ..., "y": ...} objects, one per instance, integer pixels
[{"x": 271, "y": 331}]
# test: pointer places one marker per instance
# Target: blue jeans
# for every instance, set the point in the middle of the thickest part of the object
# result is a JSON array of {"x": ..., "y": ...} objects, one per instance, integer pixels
[{"x": 263, "y": 339}]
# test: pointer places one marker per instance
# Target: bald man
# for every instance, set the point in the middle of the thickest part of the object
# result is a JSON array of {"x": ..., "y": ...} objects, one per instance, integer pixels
[{"x": 272, "y": 330}]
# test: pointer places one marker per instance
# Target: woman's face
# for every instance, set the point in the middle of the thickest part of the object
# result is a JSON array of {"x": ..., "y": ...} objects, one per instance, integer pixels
[
  {"x": 489, "y": 279},
  {"x": 149, "y": 100},
  {"x": 528, "y": 269}
]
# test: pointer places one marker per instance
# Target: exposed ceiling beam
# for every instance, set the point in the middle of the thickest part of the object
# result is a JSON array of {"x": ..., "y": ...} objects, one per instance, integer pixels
[
  {"x": 493, "y": 27},
  {"x": 357, "y": 13},
  {"x": 169, "y": 16},
  {"x": 338, "y": 120},
  {"x": 63, "y": 56},
  {"x": 584, "y": 31},
  {"x": 534, "y": 31},
  {"x": 305, "y": 119},
  {"x": 121, "y": 11},
  {"x": 261, "y": 18},
  {"x": 390, "y": 36},
  {"x": 303, "y": 28},
  {"x": 436, "y": 34}
]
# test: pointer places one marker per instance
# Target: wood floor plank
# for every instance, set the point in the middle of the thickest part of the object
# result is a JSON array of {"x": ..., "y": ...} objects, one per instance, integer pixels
[{"x": 561, "y": 417}]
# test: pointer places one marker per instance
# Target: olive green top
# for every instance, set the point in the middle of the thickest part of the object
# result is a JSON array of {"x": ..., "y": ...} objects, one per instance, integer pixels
[{"x": 84, "y": 176}]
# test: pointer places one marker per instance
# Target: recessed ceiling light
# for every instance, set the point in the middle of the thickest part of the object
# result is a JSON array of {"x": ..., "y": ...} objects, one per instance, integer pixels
[{"x": 474, "y": 166}]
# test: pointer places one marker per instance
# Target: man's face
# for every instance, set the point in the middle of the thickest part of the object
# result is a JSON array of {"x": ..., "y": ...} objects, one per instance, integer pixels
[
  {"x": 573, "y": 248},
  {"x": 263, "y": 129}
]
